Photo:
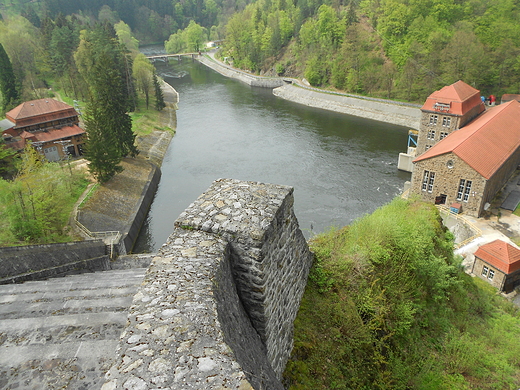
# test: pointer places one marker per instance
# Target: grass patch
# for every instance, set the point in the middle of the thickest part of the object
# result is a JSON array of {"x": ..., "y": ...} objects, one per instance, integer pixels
[
  {"x": 146, "y": 120},
  {"x": 387, "y": 306}
]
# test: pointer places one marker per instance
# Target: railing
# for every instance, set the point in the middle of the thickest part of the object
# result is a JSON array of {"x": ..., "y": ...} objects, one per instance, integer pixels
[
  {"x": 446, "y": 211},
  {"x": 110, "y": 238}
]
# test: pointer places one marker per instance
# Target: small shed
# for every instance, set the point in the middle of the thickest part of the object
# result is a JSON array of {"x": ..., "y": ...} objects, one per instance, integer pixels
[
  {"x": 455, "y": 208},
  {"x": 498, "y": 263}
]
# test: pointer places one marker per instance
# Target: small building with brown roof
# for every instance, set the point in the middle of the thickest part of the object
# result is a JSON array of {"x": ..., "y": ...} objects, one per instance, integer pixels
[
  {"x": 472, "y": 163},
  {"x": 51, "y": 126},
  {"x": 499, "y": 264}
]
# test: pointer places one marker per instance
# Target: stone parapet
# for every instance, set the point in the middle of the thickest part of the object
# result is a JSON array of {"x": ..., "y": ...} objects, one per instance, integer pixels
[
  {"x": 34, "y": 262},
  {"x": 401, "y": 114},
  {"x": 247, "y": 78},
  {"x": 217, "y": 305}
]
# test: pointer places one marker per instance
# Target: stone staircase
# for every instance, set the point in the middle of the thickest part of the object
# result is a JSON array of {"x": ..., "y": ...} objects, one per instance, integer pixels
[{"x": 62, "y": 333}]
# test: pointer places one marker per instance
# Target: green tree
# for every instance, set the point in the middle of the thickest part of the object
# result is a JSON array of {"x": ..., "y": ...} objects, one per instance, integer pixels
[
  {"x": 10, "y": 96},
  {"x": 124, "y": 34},
  {"x": 143, "y": 72},
  {"x": 109, "y": 127},
  {"x": 175, "y": 43},
  {"x": 159, "y": 96},
  {"x": 7, "y": 159},
  {"x": 195, "y": 36}
]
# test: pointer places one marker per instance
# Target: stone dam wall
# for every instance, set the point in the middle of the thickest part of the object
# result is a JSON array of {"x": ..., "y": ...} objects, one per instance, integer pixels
[
  {"x": 217, "y": 305},
  {"x": 398, "y": 113},
  {"x": 247, "y": 78},
  {"x": 36, "y": 262},
  {"x": 403, "y": 114}
]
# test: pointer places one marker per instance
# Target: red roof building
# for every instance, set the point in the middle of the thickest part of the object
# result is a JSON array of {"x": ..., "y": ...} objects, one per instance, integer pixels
[
  {"x": 469, "y": 152},
  {"x": 51, "y": 126},
  {"x": 498, "y": 263}
]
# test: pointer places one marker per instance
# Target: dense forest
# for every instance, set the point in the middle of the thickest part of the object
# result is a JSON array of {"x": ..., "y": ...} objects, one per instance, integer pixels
[{"x": 399, "y": 49}]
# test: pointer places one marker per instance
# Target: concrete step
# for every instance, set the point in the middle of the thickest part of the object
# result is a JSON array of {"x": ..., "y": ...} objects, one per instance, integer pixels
[
  {"x": 62, "y": 332},
  {"x": 101, "y": 279}
]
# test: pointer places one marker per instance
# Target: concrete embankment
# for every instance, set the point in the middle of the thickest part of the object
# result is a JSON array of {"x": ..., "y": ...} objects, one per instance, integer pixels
[
  {"x": 377, "y": 109},
  {"x": 249, "y": 79},
  {"x": 403, "y": 114}
]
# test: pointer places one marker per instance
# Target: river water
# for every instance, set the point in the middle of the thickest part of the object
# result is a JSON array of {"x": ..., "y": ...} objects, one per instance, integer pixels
[{"x": 341, "y": 167}]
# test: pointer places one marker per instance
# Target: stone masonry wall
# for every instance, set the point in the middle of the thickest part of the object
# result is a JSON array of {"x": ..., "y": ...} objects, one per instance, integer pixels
[
  {"x": 217, "y": 305},
  {"x": 447, "y": 181},
  {"x": 401, "y": 114},
  {"x": 20, "y": 260}
]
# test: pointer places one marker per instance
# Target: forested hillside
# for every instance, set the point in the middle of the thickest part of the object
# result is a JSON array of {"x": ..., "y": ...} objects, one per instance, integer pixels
[
  {"x": 399, "y": 49},
  {"x": 402, "y": 49}
]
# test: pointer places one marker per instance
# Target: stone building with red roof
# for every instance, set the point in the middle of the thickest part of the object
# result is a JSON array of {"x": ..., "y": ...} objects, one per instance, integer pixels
[
  {"x": 499, "y": 264},
  {"x": 51, "y": 126},
  {"x": 471, "y": 158}
]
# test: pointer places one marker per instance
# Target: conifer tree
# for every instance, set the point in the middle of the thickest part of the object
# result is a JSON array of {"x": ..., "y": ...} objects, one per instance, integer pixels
[
  {"x": 159, "y": 96},
  {"x": 8, "y": 89},
  {"x": 103, "y": 64}
]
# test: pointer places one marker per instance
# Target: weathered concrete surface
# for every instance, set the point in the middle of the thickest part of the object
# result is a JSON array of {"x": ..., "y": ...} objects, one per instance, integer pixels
[
  {"x": 376, "y": 109},
  {"x": 217, "y": 305},
  {"x": 403, "y": 114},
  {"x": 62, "y": 333},
  {"x": 247, "y": 78},
  {"x": 36, "y": 262}
]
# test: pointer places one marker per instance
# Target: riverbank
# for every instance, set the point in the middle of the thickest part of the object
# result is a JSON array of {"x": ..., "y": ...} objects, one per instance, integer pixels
[
  {"x": 122, "y": 203},
  {"x": 389, "y": 111}
]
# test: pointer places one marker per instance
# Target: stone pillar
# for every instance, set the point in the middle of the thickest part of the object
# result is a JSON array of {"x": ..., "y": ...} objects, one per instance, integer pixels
[{"x": 270, "y": 258}]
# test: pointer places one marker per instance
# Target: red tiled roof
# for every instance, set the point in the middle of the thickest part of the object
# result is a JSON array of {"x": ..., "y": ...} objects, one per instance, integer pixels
[
  {"x": 486, "y": 142},
  {"x": 38, "y": 111},
  {"x": 46, "y": 136},
  {"x": 509, "y": 96},
  {"x": 57, "y": 134},
  {"x": 500, "y": 255},
  {"x": 459, "y": 97}
]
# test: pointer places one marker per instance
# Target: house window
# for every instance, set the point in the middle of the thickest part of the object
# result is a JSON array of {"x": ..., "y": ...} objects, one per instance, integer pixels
[
  {"x": 428, "y": 179},
  {"x": 467, "y": 190},
  {"x": 427, "y": 147},
  {"x": 446, "y": 121},
  {"x": 485, "y": 271},
  {"x": 431, "y": 134},
  {"x": 491, "y": 274},
  {"x": 433, "y": 119},
  {"x": 443, "y": 134},
  {"x": 464, "y": 190}
]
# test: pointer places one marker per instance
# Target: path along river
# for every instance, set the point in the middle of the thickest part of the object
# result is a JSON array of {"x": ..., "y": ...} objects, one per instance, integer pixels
[{"x": 342, "y": 167}]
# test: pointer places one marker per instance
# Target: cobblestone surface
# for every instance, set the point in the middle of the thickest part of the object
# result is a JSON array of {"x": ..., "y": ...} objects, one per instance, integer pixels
[{"x": 190, "y": 326}]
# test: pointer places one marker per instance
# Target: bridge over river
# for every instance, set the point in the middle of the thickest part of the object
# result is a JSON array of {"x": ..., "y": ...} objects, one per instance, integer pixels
[{"x": 165, "y": 57}]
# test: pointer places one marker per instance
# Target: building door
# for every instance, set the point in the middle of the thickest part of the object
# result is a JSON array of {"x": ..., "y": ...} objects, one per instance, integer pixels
[
  {"x": 51, "y": 153},
  {"x": 441, "y": 199}
]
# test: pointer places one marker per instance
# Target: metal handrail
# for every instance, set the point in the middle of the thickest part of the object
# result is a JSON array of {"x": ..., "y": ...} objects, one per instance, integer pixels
[
  {"x": 110, "y": 237},
  {"x": 478, "y": 232}
]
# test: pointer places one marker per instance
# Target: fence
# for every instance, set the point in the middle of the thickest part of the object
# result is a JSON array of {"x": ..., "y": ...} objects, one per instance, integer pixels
[{"x": 446, "y": 213}]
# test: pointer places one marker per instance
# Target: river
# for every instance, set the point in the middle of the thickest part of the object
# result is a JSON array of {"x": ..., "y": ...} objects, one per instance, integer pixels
[{"x": 341, "y": 167}]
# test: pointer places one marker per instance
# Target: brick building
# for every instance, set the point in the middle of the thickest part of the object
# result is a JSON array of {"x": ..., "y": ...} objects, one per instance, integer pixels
[
  {"x": 51, "y": 126},
  {"x": 499, "y": 264},
  {"x": 469, "y": 152}
]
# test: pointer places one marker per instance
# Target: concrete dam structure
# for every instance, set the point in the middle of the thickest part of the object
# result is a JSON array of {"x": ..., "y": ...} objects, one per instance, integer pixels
[{"x": 217, "y": 304}]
